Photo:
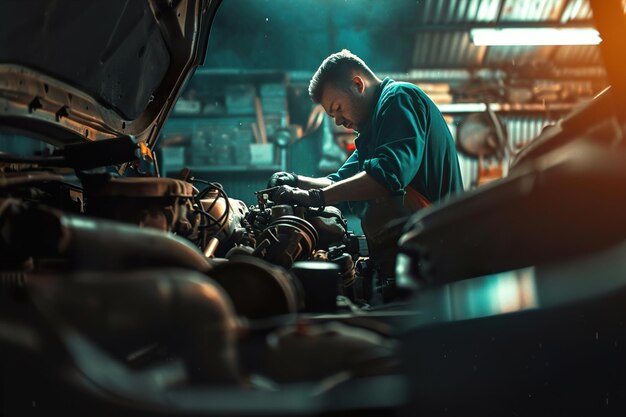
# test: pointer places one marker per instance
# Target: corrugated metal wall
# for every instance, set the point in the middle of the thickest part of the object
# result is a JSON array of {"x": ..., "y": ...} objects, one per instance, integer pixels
[
  {"x": 446, "y": 49},
  {"x": 520, "y": 129},
  {"x": 460, "y": 11},
  {"x": 453, "y": 48}
]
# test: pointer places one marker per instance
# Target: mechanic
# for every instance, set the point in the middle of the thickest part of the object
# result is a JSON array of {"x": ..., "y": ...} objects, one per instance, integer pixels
[{"x": 405, "y": 157}]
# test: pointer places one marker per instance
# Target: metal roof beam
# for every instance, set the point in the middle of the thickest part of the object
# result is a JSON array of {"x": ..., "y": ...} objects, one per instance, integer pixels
[{"x": 465, "y": 26}]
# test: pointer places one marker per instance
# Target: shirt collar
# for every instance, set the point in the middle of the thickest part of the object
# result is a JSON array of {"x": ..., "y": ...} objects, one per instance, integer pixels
[{"x": 379, "y": 90}]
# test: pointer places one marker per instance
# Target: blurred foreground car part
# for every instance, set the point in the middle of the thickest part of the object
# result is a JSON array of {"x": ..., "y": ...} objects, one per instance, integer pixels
[{"x": 559, "y": 204}]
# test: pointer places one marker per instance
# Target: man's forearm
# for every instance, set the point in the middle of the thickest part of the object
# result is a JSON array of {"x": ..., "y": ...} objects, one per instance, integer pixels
[
  {"x": 306, "y": 183},
  {"x": 360, "y": 187}
]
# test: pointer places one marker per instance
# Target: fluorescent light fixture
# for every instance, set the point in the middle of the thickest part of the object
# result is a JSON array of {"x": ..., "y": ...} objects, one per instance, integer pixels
[
  {"x": 535, "y": 36},
  {"x": 463, "y": 107}
]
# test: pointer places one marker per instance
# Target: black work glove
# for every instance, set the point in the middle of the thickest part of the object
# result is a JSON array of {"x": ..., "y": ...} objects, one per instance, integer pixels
[
  {"x": 292, "y": 195},
  {"x": 283, "y": 178}
]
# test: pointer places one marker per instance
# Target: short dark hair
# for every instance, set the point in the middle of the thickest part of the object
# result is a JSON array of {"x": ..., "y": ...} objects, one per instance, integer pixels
[{"x": 337, "y": 69}]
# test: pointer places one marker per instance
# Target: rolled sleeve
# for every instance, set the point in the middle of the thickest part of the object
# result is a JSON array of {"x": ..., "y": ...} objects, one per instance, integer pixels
[
  {"x": 399, "y": 152},
  {"x": 349, "y": 168},
  {"x": 394, "y": 165}
]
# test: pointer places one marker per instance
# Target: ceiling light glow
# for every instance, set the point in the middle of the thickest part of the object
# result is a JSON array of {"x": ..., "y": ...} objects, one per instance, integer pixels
[{"x": 535, "y": 36}]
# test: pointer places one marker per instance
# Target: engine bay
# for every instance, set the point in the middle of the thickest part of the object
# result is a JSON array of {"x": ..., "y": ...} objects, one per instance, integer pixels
[{"x": 174, "y": 277}]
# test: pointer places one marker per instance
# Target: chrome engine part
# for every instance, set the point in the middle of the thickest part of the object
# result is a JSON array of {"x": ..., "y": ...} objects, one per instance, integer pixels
[{"x": 287, "y": 239}]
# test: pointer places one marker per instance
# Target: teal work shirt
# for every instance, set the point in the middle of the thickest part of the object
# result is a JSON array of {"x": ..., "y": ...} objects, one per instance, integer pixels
[{"x": 406, "y": 142}]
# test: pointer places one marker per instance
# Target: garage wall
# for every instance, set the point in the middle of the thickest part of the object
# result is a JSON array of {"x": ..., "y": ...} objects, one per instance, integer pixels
[{"x": 521, "y": 130}]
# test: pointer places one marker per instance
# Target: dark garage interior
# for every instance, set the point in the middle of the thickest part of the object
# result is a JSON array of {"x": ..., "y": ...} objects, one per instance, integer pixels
[{"x": 208, "y": 208}]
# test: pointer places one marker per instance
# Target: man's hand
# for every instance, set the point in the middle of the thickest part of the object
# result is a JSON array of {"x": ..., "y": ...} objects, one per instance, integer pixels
[
  {"x": 291, "y": 195},
  {"x": 283, "y": 178}
]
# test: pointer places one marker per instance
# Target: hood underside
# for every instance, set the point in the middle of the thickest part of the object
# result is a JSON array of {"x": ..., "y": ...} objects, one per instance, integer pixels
[{"x": 97, "y": 69}]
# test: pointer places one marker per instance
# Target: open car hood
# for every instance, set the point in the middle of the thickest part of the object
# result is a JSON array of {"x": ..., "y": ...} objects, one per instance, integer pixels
[{"x": 71, "y": 72}]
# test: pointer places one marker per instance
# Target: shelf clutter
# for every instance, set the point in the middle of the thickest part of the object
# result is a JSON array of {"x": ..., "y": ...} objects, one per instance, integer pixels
[{"x": 228, "y": 121}]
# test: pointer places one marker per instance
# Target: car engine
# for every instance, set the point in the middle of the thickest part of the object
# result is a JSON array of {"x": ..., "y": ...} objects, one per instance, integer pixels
[{"x": 160, "y": 276}]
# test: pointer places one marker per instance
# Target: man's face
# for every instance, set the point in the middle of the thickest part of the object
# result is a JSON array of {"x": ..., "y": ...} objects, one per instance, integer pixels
[{"x": 348, "y": 107}]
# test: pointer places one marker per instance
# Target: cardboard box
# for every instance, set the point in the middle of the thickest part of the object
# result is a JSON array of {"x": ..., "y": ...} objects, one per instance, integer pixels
[
  {"x": 262, "y": 153},
  {"x": 183, "y": 106},
  {"x": 240, "y": 98}
]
